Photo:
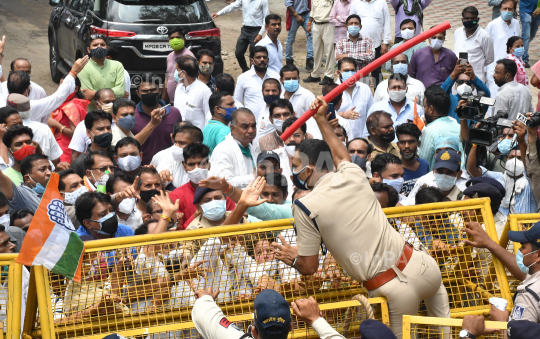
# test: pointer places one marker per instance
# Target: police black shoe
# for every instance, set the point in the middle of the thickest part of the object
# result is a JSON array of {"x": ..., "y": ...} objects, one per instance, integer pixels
[
  {"x": 290, "y": 61},
  {"x": 309, "y": 64},
  {"x": 312, "y": 79},
  {"x": 527, "y": 64},
  {"x": 325, "y": 81}
]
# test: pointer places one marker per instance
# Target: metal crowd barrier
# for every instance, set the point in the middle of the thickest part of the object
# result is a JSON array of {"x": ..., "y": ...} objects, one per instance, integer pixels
[
  {"x": 11, "y": 275},
  {"x": 471, "y": 276},
  {"x": 144, "y": 286},
  {"x": 516, "y": 222},
  {"x": 415, "y": 327}
]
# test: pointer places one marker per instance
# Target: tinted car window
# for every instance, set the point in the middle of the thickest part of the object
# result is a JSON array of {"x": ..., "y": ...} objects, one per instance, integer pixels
[
  {"x": 166, "y": 11},
  {"x": 78, "y": 5}
]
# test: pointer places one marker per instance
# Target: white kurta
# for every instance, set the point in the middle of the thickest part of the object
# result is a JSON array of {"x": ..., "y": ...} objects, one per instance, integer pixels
[
  {"x": 361, "y": 100},
  {"x": 192, "y": 101},
  {"x": 227, "y": 161}
]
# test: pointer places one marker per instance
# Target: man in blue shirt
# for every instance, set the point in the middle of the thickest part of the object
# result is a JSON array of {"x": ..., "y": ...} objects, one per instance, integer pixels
[
  {"x": 97, "y": 218},
  {"x": 462, "y": 75},
  {"x": 414, "y": 167},
  {"x": 529, "y": 15}
]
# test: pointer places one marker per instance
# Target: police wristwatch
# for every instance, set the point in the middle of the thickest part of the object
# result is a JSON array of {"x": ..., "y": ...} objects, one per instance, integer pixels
[{"x": 466, "y": 334}]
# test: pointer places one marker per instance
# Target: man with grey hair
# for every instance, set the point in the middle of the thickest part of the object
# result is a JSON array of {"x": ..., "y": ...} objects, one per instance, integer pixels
[{"x": 234, "y": 158}]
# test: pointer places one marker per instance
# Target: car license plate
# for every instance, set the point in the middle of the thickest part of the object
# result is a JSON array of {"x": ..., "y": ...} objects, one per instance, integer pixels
[{"x": 157, "y": 46}]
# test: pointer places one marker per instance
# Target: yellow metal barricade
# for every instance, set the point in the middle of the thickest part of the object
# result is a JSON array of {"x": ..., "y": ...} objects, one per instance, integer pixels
[
  {"x": 516, "y": 222},
  {"x": 145, "y": 284},
  {"x": 415, "y": 327},
  {"x": 11, "y": 285},
  {"x": 471, "y": 276}
]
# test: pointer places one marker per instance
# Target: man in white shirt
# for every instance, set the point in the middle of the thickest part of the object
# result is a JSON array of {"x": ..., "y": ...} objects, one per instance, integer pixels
[
  {"x": 249, "y": 84},
  {"x": 500, "y": 30},
  {"x": 415, "y": 88},
  {"x": 80, "y": 140},
  {"x": 299, "y": 96},
  {"x": 191, "y": 95},
  {"x": 234, "y": 158},
  {"x": 474, "y": 40},
  {"x": 272, "y": 43},
  {"x": 42, "y": 133},
  {"x": 271, "y": 90},
  {"x": 254, "y": 13},
  {"x": 512, "y": 97},
  {"x": 36, "y": 91},
  {"x": 357, "y": 99},
  {"x": 375, "y": 21},
  {"x": 398, "y": 105}
]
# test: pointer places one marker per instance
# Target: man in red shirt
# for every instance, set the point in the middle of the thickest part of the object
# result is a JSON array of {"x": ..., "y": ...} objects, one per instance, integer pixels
[{"x": 196, "y": 166}]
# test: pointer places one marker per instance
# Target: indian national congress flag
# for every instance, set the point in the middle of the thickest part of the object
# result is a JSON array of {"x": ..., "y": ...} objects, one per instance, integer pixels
[{"x": 51, "y": 239}]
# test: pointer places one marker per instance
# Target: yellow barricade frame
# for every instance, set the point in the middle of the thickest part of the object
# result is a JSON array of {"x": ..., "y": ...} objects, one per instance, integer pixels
[
  {"x": 14, "y": 291},
  {"x": 455, "y": 324}
]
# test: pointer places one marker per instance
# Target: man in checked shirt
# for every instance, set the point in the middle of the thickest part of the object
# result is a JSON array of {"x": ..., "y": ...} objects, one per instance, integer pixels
[{"x": 356, "y": 46}]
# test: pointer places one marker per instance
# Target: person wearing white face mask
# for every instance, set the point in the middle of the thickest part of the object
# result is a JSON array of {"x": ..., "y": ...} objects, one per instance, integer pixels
[
  {"x": 433, "y": 64},
  {"x": 127, "y": 214},
  {"x": 128, "y": 155},
  {"x": 71, "y": 186},
  {"x": 407, "y": 29},
  {"x": 170, "y": 166},
  {"x": 196, "y": 165},
  {"x": 519, "y": 196},
  {"x": 398, "y": 105}
]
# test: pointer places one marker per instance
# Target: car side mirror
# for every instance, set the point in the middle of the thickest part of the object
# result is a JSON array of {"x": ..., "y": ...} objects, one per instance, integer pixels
[{"x": 54, "y": 3}]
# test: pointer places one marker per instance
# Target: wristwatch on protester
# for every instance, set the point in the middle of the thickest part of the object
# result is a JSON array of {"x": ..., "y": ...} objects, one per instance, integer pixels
[{"x": 466, "y": 334}]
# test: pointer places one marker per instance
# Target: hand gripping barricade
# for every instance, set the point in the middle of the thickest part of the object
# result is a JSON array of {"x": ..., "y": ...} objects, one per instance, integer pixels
[
  {"x": 415, "y": 327},
  {"x": 144, "y": 286}
]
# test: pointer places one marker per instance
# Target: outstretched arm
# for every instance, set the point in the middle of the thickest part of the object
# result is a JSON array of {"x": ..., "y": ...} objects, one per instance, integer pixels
[
  {"x": 249, "y": 198},
  {"x": 339, "y": 151}
]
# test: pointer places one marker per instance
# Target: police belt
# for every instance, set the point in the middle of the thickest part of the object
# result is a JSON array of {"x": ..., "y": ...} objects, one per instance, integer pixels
[{"x": 390, "y": 274}]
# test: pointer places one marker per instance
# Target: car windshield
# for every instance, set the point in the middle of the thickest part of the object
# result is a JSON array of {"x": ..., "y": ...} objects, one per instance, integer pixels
[{"x": 159, "y": 11}]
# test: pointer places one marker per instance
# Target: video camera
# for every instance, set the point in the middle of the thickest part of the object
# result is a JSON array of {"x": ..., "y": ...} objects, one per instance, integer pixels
[
  {"x": 489, "y": 129},
  {"x": 476, "y": 108},
  {"x": 534, "y": 121}
]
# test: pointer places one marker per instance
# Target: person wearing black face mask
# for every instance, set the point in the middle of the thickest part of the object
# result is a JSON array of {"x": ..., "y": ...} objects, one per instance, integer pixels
[
  {"x": 98, "y": 220},
  {"x": 474, "y": 40},
  {"x": 381, "y": 134},
  {"x": 98, "y": 129},
  {"x": 101, "y": 72},
  {"x": 512, "y": 97},
  {"x": 149, "y": 184}
]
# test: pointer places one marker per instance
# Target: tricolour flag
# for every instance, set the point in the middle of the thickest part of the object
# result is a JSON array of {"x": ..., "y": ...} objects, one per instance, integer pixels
[{"x": 51, "y": 239}]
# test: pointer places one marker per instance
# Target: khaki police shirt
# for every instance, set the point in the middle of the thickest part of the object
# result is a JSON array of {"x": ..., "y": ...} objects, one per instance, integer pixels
[
  {"x": 392, "y": 148},
  {"x": 352, "y": 224},
  {"x": 526, "y": 307}
]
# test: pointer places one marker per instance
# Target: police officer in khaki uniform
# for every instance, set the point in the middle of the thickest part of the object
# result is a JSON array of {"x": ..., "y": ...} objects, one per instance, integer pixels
[
  {"x": 343, "y": 215},
  {"x": 527, "y": 297}
]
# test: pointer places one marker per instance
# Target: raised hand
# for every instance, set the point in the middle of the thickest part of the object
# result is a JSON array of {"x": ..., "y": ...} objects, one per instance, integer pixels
[
  {"x": 165, "y": 176},
  {"x": 208, "y": 291},
  {"x": 307, "y": 310},
  {"x": 215, "y": 183},
  {"x": 284, "y": 252},
  {"x": 132, "y": 191},
  {"x": 79, "y": 64},
  {"x": 480, "y": 238},
  {"x": 165, "y": 203},
  {"x": 250, "y": 195}
]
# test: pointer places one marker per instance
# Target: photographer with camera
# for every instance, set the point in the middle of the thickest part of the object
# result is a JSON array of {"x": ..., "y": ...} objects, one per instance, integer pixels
[
  {"x": 465, "y": 81},
  {"x": 512, "y": 96},
  {"x": 519, "y": 197}
]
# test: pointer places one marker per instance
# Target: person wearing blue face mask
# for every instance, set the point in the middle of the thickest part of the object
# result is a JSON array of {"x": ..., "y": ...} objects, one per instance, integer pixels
[
  {"x": 388, "y": 169},
  {"x": 35, "y": 170},
  {"x": 124, "y": 119},
  {"x": 299, "y": 96},
  {"x": 515, "y": 51},
  {"x": 524, "y": 265},
  {"x": 500, "y": 30},
  {"x": 415, "y": 88},
  {"x": 221, "y": 106},
  {"x": 356, "y": 46}
]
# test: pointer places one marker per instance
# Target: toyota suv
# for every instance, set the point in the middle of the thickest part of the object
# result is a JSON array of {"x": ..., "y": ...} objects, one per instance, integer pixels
[{"x": 138, "y": 28}]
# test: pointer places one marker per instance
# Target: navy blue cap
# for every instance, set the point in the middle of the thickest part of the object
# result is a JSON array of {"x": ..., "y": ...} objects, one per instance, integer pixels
[
  {"x": 481, "y": 187},
  {"x": 522, "y": 329},
  {"x": 272, "y": 314},
  {"x": 200, "y": 192},
  {"x": 532, "y": 235},
  {"x": 374, "y": 329},
  {"x": 114, "y": 336},
  {"x": 448, "y": 159},
  {"x": 268, "y": 155}
]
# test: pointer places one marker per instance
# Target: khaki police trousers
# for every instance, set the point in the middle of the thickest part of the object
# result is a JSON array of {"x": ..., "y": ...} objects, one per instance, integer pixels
[{"x": 420, "y": 280}]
